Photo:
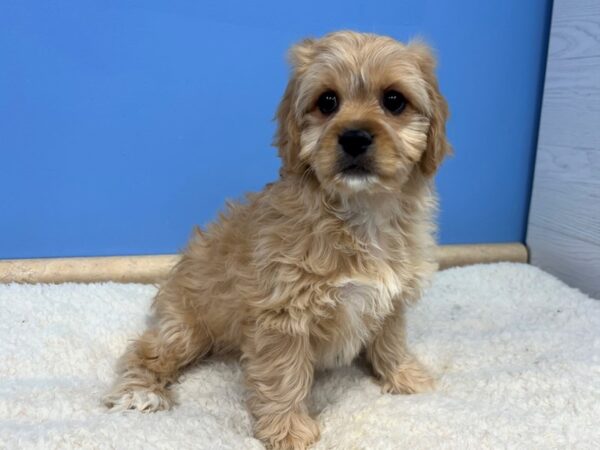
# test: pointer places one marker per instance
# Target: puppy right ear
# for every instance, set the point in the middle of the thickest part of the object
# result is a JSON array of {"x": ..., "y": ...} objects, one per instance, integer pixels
[
  {"x": 287, "y": 136},
  {"x": 302, "y": 53}
]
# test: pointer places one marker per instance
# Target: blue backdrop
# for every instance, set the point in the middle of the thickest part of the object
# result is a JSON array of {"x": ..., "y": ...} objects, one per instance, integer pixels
[{"x": 123, "y": 123}]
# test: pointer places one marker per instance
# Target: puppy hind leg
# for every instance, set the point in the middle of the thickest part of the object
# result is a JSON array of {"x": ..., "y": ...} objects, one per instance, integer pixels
[{"x": 154, "y": 360}]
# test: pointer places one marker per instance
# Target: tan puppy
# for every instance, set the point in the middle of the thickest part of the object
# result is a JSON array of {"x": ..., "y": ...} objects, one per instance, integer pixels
[{"x": 321, "y": 264}]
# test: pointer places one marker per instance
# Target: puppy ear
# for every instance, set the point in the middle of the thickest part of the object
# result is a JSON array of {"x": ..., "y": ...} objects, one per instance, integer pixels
[
  {"x": 301, "y": 54},
  {"x": 287, "y": 136},
  {"x": 437, "y": 143}
]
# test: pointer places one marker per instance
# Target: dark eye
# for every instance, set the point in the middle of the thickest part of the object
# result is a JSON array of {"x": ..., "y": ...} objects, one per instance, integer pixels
[
  {"x": 394, "y": 101},
  {"x": 328, "y": 102}
]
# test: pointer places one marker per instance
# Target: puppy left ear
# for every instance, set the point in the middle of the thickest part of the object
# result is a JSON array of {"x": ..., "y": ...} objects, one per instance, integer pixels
[{"x": 437, "y": 143}]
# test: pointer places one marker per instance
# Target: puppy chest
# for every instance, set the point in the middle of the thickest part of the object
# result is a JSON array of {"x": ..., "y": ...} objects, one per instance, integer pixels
[{"x": 357, "y": 315}]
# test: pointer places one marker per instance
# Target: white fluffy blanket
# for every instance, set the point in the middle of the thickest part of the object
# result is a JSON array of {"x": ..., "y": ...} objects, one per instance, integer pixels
[{"x": 517, "y": 354}]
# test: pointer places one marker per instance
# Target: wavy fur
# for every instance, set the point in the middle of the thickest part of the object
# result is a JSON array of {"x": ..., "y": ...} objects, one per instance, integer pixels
[{"x": 315, "y": 268}]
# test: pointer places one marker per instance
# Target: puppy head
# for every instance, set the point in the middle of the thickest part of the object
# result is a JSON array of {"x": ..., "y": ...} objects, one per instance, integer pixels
[{"x": 361, "y": 112}]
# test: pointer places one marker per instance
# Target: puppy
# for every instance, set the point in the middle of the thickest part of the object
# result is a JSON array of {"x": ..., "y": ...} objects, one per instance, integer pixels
[{"x": 321, "y": 264}]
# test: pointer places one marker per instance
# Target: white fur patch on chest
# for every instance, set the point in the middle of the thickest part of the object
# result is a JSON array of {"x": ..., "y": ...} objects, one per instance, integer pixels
[{"x": 361, "y": 306}]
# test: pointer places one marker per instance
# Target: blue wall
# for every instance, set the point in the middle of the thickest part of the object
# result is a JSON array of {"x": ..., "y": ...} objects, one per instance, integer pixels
[{"x": 123, "y": 123}]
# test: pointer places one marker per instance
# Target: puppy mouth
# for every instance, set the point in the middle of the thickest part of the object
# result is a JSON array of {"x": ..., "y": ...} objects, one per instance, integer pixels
[
  {"x": 355, "y": 170},
  {"x": 359, "y": 166}
]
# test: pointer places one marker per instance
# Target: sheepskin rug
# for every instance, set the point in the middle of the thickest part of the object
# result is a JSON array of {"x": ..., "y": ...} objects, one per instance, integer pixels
[{"x": 516, "y": 353}]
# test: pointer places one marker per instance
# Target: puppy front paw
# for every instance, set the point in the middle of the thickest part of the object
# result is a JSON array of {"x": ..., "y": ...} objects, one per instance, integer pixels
[
  {"x": 411, "y": 377},
  {"x": 143, "y": 399},
  {"x": 293, "y": 431}
]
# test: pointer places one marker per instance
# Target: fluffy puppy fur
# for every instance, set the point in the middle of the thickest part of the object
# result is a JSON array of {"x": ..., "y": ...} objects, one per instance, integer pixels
[{"x": 321, "y": 264}]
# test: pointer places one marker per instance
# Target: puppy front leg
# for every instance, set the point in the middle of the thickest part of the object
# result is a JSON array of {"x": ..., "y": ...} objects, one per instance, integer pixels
[
  {"x": 278, "y": 366},
  {"x": 394, "y": 365}
]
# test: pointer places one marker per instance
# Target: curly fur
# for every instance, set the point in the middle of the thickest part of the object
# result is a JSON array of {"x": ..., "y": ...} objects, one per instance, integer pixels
[{"x": 317, "y": 267}]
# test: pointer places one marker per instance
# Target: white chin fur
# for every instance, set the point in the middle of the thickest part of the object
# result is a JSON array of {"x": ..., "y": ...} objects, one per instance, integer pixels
[{"x": 358, "y": 183}]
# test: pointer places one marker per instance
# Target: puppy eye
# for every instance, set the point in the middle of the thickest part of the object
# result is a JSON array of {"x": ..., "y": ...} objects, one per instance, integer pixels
[
  {"x": 328, "y": 102},
  {"x": 394, "y": 101}
]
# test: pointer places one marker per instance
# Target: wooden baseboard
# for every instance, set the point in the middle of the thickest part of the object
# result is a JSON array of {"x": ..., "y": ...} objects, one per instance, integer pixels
[
  {"x": 154, "y": 268},
  {"x": 466, "y": 254}
]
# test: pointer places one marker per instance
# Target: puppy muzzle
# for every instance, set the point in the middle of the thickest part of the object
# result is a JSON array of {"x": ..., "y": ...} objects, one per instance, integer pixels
[{"x": 355, "y": 148}]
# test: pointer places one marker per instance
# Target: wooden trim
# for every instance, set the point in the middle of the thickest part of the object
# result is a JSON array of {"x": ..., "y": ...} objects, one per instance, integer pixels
[
  {"x": 154, "y": 268},
  {"x": 123, "y": 269},
  {"x": 463, "y": 255}
]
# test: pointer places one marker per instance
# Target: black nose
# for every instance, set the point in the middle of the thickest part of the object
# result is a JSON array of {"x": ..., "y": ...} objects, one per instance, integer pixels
[{"x": 355, "y": 142}]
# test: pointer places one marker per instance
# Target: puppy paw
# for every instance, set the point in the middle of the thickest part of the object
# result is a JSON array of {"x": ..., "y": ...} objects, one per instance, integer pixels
[
  {"x": 411, "y": 377},
  {"x": 143, "y": 399},
  {"x": 290, "y": 432}
]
